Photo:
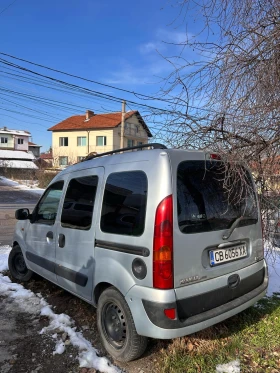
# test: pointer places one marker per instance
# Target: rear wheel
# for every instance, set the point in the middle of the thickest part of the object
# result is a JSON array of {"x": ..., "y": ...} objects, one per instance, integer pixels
[
  {"x": 17, "y": 265},
  {"x": 116, "y": 327}
]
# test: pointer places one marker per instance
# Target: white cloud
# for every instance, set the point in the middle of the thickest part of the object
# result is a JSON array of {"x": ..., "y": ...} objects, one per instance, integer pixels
[
  {"x": 148, "y": 47},
  {"x": 172, "y": 36},
  {"x": 129, "y": 74},
  {"x": 148, "y": 64}
]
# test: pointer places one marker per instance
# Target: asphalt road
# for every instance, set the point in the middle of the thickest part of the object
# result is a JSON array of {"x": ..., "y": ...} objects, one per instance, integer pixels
[{"x": 11, "y": 199}]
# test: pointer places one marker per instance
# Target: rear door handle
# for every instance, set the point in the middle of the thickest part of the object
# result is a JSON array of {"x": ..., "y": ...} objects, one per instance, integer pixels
[
  {"x": 61, "y": 240},
  {"x": 50, "y": 235}
]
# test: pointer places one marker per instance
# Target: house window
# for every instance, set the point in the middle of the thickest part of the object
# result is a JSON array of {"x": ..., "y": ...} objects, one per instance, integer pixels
[
  {"x": 130, "y": 143},
  {"x": 4, "y": 140},
  {"x": 63, "y": 161},
  {"x": 101, "y": 140},
  {"x": 81, "y": 141},
  {"x": 136, "y": 129},
  {"x": 80, "y": 158},
  {"x": 20, "y": 141},
  {"x": 140, "y": 143},
  {"x": 63, "y": 141}
]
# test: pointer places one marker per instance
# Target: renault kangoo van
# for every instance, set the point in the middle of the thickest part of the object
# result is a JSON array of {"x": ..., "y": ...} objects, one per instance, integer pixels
[{"x": 163, "y": 242}]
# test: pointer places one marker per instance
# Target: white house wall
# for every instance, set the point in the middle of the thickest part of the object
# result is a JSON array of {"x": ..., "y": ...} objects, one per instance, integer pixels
[{"x": 23, "y": 146}]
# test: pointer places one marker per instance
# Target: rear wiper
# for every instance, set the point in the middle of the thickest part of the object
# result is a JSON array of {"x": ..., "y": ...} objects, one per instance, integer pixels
[{"x": 235, "y": 224}]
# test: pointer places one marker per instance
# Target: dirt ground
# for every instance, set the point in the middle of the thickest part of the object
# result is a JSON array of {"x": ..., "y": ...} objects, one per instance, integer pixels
[{"x": 29, "y": 352}]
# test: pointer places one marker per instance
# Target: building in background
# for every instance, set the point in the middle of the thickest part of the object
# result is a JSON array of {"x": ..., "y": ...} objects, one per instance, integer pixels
[
  {"x": 14, "y": 139},
  {"x": 79, "y": 135},
  {"x": 46, "y": 159},
  {"x": 34, "y": 148},
  {"x": 17, "y": 154}
]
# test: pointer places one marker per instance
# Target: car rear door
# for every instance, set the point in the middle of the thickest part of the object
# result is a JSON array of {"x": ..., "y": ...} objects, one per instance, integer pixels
[{"x": 208, "y": 205}]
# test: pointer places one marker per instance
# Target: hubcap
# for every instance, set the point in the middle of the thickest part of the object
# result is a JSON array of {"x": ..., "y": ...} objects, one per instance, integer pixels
[
  {"x": 114, "y": 325},
  {"x": 19, "y": 264}
]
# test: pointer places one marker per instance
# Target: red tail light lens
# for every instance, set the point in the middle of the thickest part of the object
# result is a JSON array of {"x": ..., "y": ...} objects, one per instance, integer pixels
[
  {"x": 163, "y": 245},
  {"x": 170, "y": 313}
]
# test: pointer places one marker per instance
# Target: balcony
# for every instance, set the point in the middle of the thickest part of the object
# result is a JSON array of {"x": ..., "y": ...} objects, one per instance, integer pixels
[{"x": 134, "y": 132}]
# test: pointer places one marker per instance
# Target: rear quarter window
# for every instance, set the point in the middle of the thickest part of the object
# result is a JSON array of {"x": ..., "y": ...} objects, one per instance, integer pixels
[{"x": 124, "y": 203}]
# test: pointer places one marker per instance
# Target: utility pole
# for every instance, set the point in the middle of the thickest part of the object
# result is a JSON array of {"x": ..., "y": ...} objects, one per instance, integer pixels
[{"x": 122, "y": 125}]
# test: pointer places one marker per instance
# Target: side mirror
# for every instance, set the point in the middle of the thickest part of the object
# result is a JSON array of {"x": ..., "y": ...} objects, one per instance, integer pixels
[{"x": 22, "y": 214}]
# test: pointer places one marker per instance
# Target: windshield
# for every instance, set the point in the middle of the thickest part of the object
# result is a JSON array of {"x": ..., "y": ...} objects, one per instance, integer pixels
[{"x": 211, "y": 195}]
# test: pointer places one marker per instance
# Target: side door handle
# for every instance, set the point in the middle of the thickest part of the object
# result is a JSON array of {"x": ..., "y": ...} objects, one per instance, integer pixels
[
  {"x": 50, "y": 235},
  {"x": 61, "y": 240}
]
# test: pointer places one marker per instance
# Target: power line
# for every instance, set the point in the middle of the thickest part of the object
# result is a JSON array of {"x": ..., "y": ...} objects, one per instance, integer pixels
[
  {"x": 90, "y": 91},
  {"x": 89, "y": 80},
  {"x": 2, "y": 11}
]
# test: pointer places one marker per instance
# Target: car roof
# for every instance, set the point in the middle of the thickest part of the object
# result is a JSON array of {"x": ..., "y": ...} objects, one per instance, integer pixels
[{"x": 132, "y": 156}]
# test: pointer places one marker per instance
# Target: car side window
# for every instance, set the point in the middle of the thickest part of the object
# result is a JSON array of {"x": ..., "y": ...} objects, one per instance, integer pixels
[
  {"x": 46, "y": 210},
  {"x": 79, "y": 202},
  {"x": 124, "y": 203}
]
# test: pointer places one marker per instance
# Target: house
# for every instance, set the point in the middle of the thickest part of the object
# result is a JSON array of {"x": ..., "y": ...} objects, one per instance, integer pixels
[
  {"x": 14, "y": 139},
  {"x": 34, "y": 148},
  {"x": 17, "y": 164},
  {"x": 46, "y": 159},
  {"x": 79, "y": 135},
  {"x": 16, "y": 157}
]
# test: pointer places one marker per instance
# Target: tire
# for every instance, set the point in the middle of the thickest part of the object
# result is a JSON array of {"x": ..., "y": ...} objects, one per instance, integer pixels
[
  {"x": 116, "y": 327},
  {"x": 17, "y": 265}
]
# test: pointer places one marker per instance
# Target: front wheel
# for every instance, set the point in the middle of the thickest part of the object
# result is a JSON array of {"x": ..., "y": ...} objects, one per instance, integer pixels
[
  {"x": 17, "y": 265},
  {"x": 116, "y": 327}
]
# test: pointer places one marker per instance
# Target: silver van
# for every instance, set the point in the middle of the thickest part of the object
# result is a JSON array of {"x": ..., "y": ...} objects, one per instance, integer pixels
[{"x": 163, "y": 242}]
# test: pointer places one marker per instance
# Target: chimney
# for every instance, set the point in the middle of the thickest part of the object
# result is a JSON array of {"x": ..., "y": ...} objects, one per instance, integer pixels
[
  {"x": 5, "y": 128},
  {"x": 89, "y": 114}
]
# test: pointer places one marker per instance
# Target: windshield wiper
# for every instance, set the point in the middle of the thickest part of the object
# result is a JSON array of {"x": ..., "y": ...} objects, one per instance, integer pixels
[{"x": 235, "y": 224}]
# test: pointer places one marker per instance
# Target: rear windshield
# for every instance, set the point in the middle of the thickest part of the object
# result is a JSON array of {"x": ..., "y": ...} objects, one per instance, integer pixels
[{"x": 211, "y": 195}]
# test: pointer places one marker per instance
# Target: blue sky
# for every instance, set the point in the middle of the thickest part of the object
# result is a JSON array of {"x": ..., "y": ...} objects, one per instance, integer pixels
[{"x": 114, "y": 42}]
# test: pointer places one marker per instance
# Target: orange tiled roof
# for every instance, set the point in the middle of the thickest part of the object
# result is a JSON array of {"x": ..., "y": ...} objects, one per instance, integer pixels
[
  {"x": 107, "y": 120},
  {"x": 46, "y": 155}
]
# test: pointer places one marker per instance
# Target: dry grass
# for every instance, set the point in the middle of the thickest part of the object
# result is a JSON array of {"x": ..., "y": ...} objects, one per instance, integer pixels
[{"x": 252, "y": 337}]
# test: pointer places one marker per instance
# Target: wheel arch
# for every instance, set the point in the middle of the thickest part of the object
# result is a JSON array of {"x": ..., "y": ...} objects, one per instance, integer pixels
[
  {"x": 15, "y": 243},
  {"x": 98, "y": 290}
]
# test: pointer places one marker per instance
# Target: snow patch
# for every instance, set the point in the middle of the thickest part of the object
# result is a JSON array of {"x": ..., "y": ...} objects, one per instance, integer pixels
[
  {"x": 27, "y": 185},
  {"x": 232, "y": 367},
  {"x": 88, "y": 356},
  {"x": 34, "y": 304},
  {"x": 273, "y": 262},
  {"x": 59, "y": 348},
  {"x": 4, "y": 253},
  {"x": 16, "y": 154},
  {"x": 18, "y": 164}
]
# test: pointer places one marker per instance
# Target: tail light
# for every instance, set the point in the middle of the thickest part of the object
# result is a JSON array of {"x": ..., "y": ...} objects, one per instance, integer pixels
[{"x": 163, "y": 245}]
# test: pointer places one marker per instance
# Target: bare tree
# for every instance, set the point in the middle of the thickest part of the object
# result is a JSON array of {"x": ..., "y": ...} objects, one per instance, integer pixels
[{"x": 226, "y": 96}]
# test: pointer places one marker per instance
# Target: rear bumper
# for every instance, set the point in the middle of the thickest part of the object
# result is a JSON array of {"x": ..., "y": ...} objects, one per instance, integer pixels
[{"x": 149, "y": 318}]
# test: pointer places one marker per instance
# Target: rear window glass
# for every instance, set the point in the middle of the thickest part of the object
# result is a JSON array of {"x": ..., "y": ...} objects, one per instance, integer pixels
[
  {"x": 124, "y": 203},
  {"x": 211, "y": 195}
]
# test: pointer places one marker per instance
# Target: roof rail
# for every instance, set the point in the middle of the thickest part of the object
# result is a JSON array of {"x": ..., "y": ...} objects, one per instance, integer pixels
[{"x": 152, "y": 145}]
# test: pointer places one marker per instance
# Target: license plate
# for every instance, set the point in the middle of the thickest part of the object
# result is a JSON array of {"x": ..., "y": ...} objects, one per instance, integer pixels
[{"x": 220, "y": 256}]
